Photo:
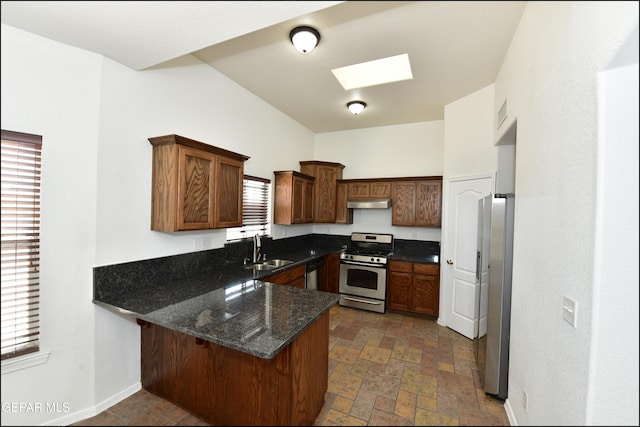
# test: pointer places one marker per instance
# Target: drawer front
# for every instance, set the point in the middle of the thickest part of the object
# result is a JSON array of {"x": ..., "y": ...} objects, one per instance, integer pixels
[
  {"x": 400, "y": 266},
  {"x": 286, "y": 276},
  {"x": 426, "y": 269}
]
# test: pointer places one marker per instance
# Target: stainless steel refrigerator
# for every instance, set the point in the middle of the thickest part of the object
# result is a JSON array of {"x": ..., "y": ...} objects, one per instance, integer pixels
[{"x": 498, "y": 211}]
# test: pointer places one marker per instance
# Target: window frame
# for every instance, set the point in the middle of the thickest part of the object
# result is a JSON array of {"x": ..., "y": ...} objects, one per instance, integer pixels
[
  {"x": 250, "y": 213},
  {"x": 21, "y": 181}
]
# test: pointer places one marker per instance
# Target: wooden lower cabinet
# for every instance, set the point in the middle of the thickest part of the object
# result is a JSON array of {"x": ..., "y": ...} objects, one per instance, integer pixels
[
  {"x": 331, "y": 274},
  {"x": 228, "y": 387},
  {"x": 291, "y": 277},
  {"x": 413, "y": 287}
]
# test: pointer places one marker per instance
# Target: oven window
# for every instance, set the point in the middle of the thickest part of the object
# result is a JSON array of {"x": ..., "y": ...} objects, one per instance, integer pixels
[{"x": 362, "y": 278}]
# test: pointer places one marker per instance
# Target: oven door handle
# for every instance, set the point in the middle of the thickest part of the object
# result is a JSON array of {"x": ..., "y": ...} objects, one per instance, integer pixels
[
  {"x": 361, "y": 300},
  {"x": 364, "y": 264}
]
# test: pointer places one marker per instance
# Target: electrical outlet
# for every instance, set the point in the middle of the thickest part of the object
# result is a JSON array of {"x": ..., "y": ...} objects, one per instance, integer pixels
[
  {"x": 525, "y": 400},
  {"x": 570, "y": 311},
  {"x": 206, "y": 243},
  {"x": 197, "y": 243}
]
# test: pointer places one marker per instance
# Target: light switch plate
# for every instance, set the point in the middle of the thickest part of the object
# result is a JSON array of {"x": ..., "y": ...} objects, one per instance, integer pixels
[{"x": 570, "y": 311}]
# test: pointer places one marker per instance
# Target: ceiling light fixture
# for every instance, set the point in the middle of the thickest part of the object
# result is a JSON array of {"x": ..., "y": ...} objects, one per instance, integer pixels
[
  {"x": 356, "y": 107},
  {"x": 304, "y": 38}
]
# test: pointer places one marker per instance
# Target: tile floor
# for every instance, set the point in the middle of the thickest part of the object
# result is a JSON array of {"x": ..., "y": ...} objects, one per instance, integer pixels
[{"x": 384, "y": 369}]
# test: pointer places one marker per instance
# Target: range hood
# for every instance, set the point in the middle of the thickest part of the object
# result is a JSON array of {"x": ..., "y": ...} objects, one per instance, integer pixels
[{"x": 369, "y": 203}]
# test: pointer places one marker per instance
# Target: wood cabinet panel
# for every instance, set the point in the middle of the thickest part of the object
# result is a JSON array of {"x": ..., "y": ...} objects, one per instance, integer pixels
[
  {"x": 331, "y": 274},
  {"x": 413, "y": 287},
  {"x": 344, "y": 215},
  {"x": 380, "y": 190},
  {"x": 426, "y": 294},
  {"x": 227, "y": 387},
  {"x": 326, "y": 175},
  {"x": 369, "y": 189},
  {"x": 429, "y": 203},
  {"x": 417, "y": 203},
  {"x": 293, "y": 198},
  {"x": 404, "y": 203},
  {"x": 195, "y": 198},
  {"x": 229, "y": 177},
  {"x": 194, "y": 186},
  {"x": 293, "y": 277},
  {"x": 359, "y": 190},
  {"x": 399, "y": 290}
]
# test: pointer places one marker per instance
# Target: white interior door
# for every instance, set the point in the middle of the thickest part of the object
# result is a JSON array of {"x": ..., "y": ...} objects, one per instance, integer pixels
[{"x": 461, "y": 288}]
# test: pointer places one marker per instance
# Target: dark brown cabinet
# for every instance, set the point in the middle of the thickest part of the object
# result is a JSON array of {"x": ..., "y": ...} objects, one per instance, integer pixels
[
  {"x": 195, "y": 186},
  {"x": 292, "y": 277},
  {"x": 331, "y": 274},
  {"x": 293, "y": 200},
  {"x": 369, "y": 189},
  {"x": 413, "y": 287},
  {"x": 224, "y": 386},
  {"x": 326, "y": 175},
  {"x": 344, "y": 215},
  {"x": 417, "y": 203}
]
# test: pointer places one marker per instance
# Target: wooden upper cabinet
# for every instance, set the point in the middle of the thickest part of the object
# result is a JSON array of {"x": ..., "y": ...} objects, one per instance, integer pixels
[
  {"x": 195, "y": 186},
  {"x": 293, "y": 199},
  {"x": 344, "y": 215},
  {"x": 429, "y": 203},
  {"x": 228, "y": 192},
  {"x": 369, "y": 189},
  {"x": 196, "y": 171},
  {"x": 324, "y": 194},
  {"x": 403, "y": 204},
  {"x": 417, "y": 202}
]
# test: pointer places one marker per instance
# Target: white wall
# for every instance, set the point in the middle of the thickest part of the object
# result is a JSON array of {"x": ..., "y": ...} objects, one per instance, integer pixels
[
  {"x": 413, "y": 149},
  {"x": 53, "y": 90},
  {"x": 468, "y": 135},
  {"x": 95, "y": 116},
  {"x": 550, "y": 79},
  {"x": 613, "y": 384}
]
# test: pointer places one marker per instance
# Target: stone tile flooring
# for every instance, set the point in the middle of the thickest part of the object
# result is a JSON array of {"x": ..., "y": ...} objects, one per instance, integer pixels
[{"x": 386, "y": 369}]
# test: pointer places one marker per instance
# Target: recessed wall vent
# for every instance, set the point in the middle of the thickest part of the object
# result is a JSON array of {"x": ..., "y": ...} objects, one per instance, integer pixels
[{"x": 502, "y": 114}]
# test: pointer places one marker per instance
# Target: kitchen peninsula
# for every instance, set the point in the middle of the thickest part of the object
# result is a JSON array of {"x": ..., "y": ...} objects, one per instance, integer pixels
[{"x": 220, "y": 342}]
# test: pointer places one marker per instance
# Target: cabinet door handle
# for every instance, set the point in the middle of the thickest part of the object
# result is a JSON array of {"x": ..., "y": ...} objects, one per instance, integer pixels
[{"x": 450, "y": 261}]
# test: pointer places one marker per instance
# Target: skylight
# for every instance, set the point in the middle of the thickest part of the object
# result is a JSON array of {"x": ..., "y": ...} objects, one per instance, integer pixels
[{"x": 376, "y": 72}]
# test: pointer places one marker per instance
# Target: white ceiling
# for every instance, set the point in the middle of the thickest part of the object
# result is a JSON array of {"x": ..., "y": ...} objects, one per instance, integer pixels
[{"x": 455, "y": 48}]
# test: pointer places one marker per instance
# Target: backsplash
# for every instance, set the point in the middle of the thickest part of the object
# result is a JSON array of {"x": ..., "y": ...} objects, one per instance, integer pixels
[{"x": 116, "y": 278}]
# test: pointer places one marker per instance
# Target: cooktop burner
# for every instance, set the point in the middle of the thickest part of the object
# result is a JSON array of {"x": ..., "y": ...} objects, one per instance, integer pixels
[
  {"x": 373, "y": 252},
  {"x": 371, "y": 245}
]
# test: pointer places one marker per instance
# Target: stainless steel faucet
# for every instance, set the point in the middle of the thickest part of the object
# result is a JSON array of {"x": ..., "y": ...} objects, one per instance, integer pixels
[{"x": 256, "y": 247}]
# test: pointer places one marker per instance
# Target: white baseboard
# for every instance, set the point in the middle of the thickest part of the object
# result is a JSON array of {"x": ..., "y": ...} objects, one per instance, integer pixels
[
  {"x": 95, "y": 410},
  {"x": 509, "y": 410}
]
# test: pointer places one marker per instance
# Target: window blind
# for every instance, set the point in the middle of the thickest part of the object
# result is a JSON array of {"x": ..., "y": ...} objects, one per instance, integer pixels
[
  {"x": 21, "y": 166},
  {"x": 255, "y": 209}
]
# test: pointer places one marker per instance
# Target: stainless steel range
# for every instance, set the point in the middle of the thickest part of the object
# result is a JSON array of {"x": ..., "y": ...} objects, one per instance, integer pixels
[{"x": 363, "y": 271}]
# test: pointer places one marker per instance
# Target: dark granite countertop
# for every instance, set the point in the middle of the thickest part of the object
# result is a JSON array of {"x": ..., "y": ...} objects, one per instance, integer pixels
[
  {"x": 400, "y": 255},
  {"x": 417, "y": 251},
  {"x": 210, "y": 295},
  {"x": 223, "y": 303}
]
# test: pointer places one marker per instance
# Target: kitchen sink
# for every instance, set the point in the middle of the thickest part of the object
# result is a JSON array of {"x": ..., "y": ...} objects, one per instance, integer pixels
[
  {"x": 277, "y": 262},
  {"x": 260, "y": 267},
  {"x": 269, "y": 265}
]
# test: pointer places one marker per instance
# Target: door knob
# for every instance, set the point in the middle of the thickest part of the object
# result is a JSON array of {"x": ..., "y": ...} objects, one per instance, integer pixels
[{"x": 450, "y": 261}]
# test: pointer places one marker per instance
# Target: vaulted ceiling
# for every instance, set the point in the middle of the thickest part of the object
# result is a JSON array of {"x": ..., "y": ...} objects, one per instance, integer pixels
[{"x": 454, "y": 47}]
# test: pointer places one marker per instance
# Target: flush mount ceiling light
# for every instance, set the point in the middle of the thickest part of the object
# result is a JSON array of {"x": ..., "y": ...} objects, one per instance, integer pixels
[
  {"x": 304, "y": 38},
  {"x": 356, "y": 107},
  {"x": 376, "y": 72}
]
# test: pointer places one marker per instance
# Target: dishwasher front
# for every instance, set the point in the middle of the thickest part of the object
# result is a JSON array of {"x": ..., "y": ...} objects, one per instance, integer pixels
[{"x": 312, "y": 273}]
